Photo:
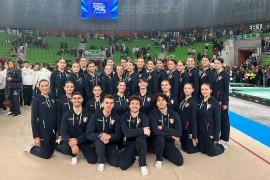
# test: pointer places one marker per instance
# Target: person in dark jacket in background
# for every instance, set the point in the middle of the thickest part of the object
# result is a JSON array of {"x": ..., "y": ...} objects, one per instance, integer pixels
[
  {"x": 90, "y": 80},
  {"x": 161, "y": 73},
  {"x": 209, "y": 123},
  {"x": 207, "y": 75},
  {"x": 116, "y": 79},
  {"x": 193, "y": 76},
  {"x": 135, "y": 127},
  {"x": 58, "y": 79},
  {"x": 166, "y": 128},
  {"x": 73, "y": 131},
  {"x": 188, "y": 115},
  {"x": 43, "y": 120},
  {"x": 140, "y": 67},
  {"x": 83, "y": 67},
  {"x": 221, "y": 93},
  {"x": 152, "y": 77},
  {"x": 120, "y": 99},
  {"x": 95, "y": 103},
  {"x": 173, "y": 77},
  {"x": 76, "y": 79},
  {"x": 104, "y": 130},
  {"x": 131, "y": 80},
  {"x": 14, "y": 77},
  {"x": 63, "y": 104},
  {"x": 106, "y": 80},
  {"x": 184, "y": 78},
  {"x": 172, "y": 100}
]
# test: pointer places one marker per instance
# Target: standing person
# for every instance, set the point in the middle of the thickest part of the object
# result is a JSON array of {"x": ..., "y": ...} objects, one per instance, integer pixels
[
  {"x": 90, "y": 80},
  {"x": 63, "y": 104},
  {"x": 135, "y": 127},
  {"x": 14, "y": 77},
  {"x": 95, "y": 103},
  {"x": 76, "y": 79},
  {"x": 188, "y": 115},
  {"x": 106, "y": 80},
  {"x": 166, "y": 128},
  {"x": 28, "y": 79},
  {"x": 173, "y": 76},
  {"x": 73, "y": 131},
  {"x": 141, "y": 69},
  {"x": 145, "y": 97},
  {"x": 131, "y": 80},
  {"x": 221, "y": 93},
  {"x": 207, "y": 75},
  {"x": 104, "y": 130},
  {"x": 209, "y": 123},
  {"x": 193, "y": 76},
  {"x": 172, "y": 100},
  {"x": 83, "y": 67},
  {"x": 2, "y": 87},
  {"x": 58, "y": 79},
  {"x": 123, "y": 63},
  {"x": 184, "y": 78},
  {"x": 152, "y": 77},
  {"x": 161, "y": 73},
  {"x": 120, "y": 99},
  {"x": 116, "y": 79},
  {"x": 44, "y": 73},
  {"x": 43, "y": 120}
]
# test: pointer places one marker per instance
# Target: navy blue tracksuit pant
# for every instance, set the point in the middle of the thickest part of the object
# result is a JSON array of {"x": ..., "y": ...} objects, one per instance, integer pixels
[
  {"x": 207, "y": 146},
  {"x": 108, "y": 151},
  {"x": 131, "y": 149},
  {"x": 86, "y": 148},
  {"x": 15, "y": 99},
  {"x": 187, "y": 145},
  {"x": 225, "y": 125},
  {"x": 165, "y": 147},
  {"x": 46, "y": 149}
]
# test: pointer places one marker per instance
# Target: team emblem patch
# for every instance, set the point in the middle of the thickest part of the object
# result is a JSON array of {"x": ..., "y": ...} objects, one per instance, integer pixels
[
  {"x": 171, "y": 120},
  {"x": 150, "y": 77},
  {"x": 209, "y": 106},
  {"x": 220, "y": 78},
  {"x": 190, "y": 74},
  {"x": 148, "y": 99},
  {"x": 172, "y": 101},
  {"x": 187, "y": 105},
  {"x": 139, "y": 121},
  {"x": 181, "y": 79},
  {"x": 170, "y": 76},
  {"x": 129, "y": 79},
  {"x": 85, "y": 119},
  {"x": 112, "y": 122}
]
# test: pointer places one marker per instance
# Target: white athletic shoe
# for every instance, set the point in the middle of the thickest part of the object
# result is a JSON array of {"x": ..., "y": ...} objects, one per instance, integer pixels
[
  {"x": 74, "y": 160},
  {"x": 8, "y": 113},
  {"x": 101, "y": 167},
  {"x": 144, "y": 171},
  {"x": 223, "y": 142},
  {"x": 158, "y": 164},
  {"x": 28, "y": 148}
]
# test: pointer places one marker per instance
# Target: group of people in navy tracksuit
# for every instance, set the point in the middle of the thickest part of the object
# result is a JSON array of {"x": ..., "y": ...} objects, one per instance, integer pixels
[{"x": 132, "y": 110}]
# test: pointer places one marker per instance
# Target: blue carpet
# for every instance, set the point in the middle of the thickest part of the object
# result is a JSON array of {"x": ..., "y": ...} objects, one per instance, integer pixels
[{"x": 251, "y": 128}]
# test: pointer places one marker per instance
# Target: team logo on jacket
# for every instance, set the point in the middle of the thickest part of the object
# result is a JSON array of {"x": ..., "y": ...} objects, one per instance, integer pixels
[
  {"x": 112, "y": 122},
  {"x": 150, "y": 77},
  {"x": 171, "y": 120},
  {"x": 187, "y": 105},
  {"x": 127, "y": 100},
  {"x": 220, "y": 78},
  {"x": 181, "y": 79},
  {"x": 190, "y": 74},
  {"x": 139, "y": 121},
  {"x": 129, "y": 79},
  {"x": 209, "y": 106},
  {"x": 148, "y": 99},
  {"x": 85, "y": 119},
  {"x": 204, "y": 74},
  {"x": 140, "y": 75},
  {"x": 172, "y": 101},
  {"x": 170, "y": 76}
]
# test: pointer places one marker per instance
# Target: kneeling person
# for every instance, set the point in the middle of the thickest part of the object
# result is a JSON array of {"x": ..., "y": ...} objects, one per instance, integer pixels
[
  {"x": 166, "y": 128},
  {"x": 73, "y": 130},
  {"x": 135, "y": 127},
  {"x": 104, "y": 130}
]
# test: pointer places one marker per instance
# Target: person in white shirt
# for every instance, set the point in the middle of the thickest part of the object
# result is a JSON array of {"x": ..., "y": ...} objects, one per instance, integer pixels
[
  {"x": 2, "y": 87},
  {"x": 28, "y": 76},
  {"x": 44, "y": 73}
]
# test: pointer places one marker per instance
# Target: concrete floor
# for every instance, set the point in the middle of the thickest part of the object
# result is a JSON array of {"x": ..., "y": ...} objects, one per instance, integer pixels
[{"x": 236, "y": 163}]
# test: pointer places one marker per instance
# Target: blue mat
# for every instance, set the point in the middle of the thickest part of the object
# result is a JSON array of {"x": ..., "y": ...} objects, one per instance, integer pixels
[{"x": 251, "y": 128}]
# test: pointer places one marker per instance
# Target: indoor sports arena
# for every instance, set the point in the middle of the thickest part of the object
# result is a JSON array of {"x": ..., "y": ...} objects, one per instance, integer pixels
[{"x": 134, "y": 89}]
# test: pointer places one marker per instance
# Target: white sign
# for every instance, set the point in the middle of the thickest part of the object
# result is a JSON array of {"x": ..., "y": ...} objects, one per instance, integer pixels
[{"x": 256, "y": 27}]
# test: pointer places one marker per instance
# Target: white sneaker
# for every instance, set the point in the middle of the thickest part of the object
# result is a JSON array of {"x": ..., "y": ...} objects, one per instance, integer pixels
[
  {"x": 9, "y": 113},
  {"x": 28, "y": 148},
  {"x": 158, "y": 164},
  {"x": 223, "y": 142},
  {"x": 225, "y": 147},
  {"x": 144, "y": 171},
  {"x": 101, "y": 167},
  {"x": 74, "y": 160}
]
